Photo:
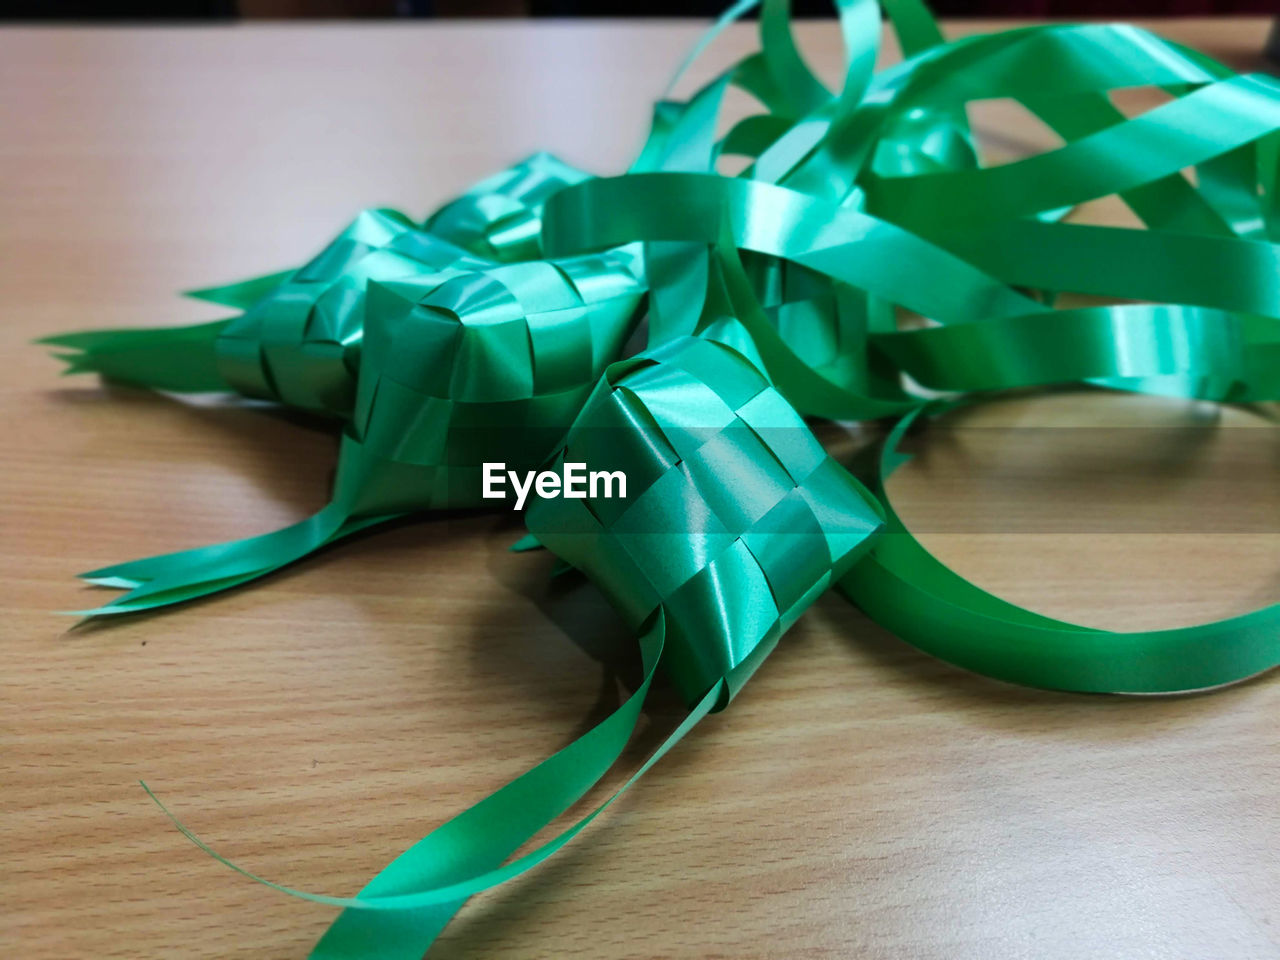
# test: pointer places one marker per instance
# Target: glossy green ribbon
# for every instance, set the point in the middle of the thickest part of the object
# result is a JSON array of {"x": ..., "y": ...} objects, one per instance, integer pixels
[
  {"x": 905, "y": 589},
  {"x": 459, "y": 360},
  {"x": 735, "y": 519},
  {"x": 298, "y": 340},
  {"x": 495, "y": 330},
  {"x": 675, "y": 419},
  {"x": 447, "y": 358}
]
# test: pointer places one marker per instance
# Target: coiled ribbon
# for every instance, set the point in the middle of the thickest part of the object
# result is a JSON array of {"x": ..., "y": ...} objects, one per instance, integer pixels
[{"x": 494, "y": 330}]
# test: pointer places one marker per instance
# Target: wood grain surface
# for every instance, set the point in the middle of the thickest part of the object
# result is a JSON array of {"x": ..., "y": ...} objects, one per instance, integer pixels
[{"x": 859, "y": 800}]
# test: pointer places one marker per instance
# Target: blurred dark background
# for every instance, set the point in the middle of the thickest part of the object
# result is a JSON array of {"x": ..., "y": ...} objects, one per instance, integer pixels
[{"x": 233, "y": 9}]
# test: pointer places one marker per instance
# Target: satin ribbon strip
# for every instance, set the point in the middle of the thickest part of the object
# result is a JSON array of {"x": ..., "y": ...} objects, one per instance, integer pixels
[
  {"x": 398, "y": 914},
  {"x": 905, "y": 589},
  {"x": 864, "y": 264}
]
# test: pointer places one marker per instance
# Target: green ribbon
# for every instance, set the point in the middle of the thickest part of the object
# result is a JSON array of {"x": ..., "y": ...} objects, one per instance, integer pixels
[
  {"x": 674, "y": 419},
  {"x": 731, "y": 564},
  {"x": 298, "y": 340},
  {"x": 905, "y": 589},
  {"x": 495, "y": 331},
  {"x": 450, "y": 352},
  {"x": 457, "y": 368}
]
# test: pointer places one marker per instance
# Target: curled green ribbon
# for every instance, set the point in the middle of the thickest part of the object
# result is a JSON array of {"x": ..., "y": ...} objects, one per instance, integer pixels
[
  {"x": 496, "y": 330},
  {"x": 905, "y": 589}
]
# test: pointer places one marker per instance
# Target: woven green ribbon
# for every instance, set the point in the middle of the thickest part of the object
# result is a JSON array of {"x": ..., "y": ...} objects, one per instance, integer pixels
[
  {"x": 441, "y": 353},
  {"x": 496, "y": 330}
]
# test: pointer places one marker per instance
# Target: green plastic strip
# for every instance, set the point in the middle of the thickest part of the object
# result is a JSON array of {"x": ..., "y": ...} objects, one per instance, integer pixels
[{"x": 905, "y": 589}]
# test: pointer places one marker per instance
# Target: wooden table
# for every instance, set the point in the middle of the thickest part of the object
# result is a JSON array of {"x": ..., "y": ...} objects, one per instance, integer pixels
[{"x": 859, "y": 800}]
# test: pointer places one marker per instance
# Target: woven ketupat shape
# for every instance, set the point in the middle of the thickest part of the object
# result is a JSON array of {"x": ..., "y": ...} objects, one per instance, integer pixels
[
  {"x": 473, "y": 367},
  {"x": 459, "y": 368},
  {"x": 729, "y": 495},
  {"x": 500, "y": 218},
  {"x": 300, "y": 344},
  {"x": 298, "y": 340}
]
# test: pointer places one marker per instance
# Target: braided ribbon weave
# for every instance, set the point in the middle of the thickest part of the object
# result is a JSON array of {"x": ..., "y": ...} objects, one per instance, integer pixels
[{"x": 497, "y": 329}]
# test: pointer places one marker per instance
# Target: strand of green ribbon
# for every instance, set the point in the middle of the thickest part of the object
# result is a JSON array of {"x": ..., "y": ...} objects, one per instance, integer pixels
[
  {"x": 402, "y": 910},
  {"x": 902, "y": 587}
]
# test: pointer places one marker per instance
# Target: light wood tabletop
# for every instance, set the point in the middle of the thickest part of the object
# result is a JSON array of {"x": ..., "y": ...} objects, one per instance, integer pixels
[{"x": 859, "y": 799}]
